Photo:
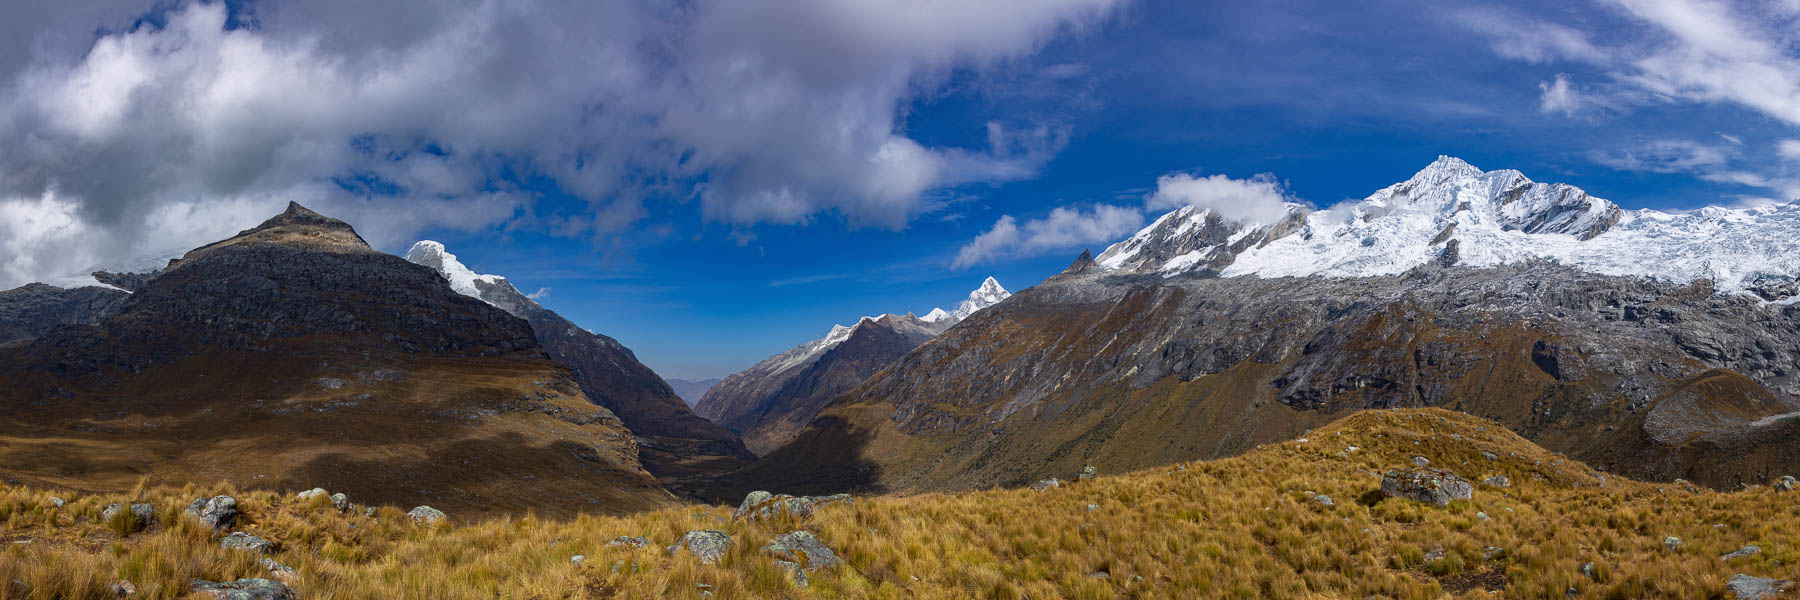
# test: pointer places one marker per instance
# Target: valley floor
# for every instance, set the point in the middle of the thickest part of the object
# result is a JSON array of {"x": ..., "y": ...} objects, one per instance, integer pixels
[{"x": 1256, "y": 525}]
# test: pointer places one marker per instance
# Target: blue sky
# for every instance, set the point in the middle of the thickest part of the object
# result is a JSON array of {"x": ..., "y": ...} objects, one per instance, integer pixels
[{"x": 729, "y": 180}]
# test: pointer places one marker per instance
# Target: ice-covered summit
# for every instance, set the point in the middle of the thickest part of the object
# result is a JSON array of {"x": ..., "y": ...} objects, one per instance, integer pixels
[
  {"x": 1454, "y": 213},
  {"x": 989, "y": 294},
  {"x": 462, "y": 279}
]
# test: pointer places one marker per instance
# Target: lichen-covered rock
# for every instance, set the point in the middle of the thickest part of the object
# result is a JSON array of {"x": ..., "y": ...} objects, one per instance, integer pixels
[
  {"x": 340, "y": 501},
  {"x": 425, "y": 515},
  {"x": 1087, "y": 472},
  {"x": 764, "y": 505},
  {"x": 239, "y": 540},
  {"x": 803, "y": 548},
  {"x": 310, "y": 494},
  {"x": 1760, "y": 588},
  {"x": 217, "y": 512},
  {"x": 1420, "y": 461},
  {"x": 1430, "y": 486},
  {"x": 1046, "y": 484},
  {"x": 243, "y": 589},
  {"x": 142, "y": 515},
  {"x": 1498, "y": 481},
  {"x": 629, "y": 541},
  {"x": 706, "y": 544},
  {"x": 123, "y": 589},
  {"x": 1324, "y": 500},
  {"x": 1674, "y": 544},
  {"x": 1786, "y": 484},
  {"x": 794, "y": 570},
  {"x": 282, "y": 573}
]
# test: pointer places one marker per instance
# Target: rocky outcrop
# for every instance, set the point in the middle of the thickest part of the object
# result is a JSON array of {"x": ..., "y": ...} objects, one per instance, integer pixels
[
  {"x": 1746, "y": 587},
  {"x": 1430, "y": 486},
  {"x": 36, "y": 309},
  {"x": 243, "y": 589},
  {"x": 137, "y": 516},
  {"x": 764, "y": 505},
  {"x": 707, "y": 545},
  {"x": 217, "y": 512},
  {"x": 425, "y": 515}
]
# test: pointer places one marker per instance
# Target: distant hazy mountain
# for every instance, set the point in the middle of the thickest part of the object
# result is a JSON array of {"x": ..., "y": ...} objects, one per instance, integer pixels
[
  {"x": 770, "y": 402},
  {"x": 1654, "y": 344},
  {"x": 690, "y": 390}
]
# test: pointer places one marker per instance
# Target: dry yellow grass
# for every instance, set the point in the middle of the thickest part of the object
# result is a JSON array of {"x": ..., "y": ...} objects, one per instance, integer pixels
[{"x": 1235, "y": 528}]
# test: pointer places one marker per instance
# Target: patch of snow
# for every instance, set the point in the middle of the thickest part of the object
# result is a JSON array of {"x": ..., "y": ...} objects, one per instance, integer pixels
[{"x": 462, "y": 279}]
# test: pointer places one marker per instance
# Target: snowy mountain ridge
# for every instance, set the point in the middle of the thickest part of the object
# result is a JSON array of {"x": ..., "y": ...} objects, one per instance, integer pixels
[{"x": 1453, "y": 213}]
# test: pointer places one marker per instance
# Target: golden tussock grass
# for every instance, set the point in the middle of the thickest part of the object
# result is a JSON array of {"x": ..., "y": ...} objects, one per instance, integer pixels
[{"x": 1243, "y": 527}]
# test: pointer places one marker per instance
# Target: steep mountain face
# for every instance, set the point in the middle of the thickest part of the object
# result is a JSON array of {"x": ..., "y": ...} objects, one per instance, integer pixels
[
  {"x": 293, "y": 355},
  {"x": 772, "y": 401},
  {"x": 1191, "y": 340},
  {"x": 35, "y": 309},
  {"x": 672, "y": 440},
  {"x": 692, "y": 390}
]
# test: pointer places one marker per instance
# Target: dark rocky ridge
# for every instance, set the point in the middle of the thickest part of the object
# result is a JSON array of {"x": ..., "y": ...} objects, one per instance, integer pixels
[
  {"x": 35, "y": 309},
  {"x": 1652, "y": 379},
  {"x": 293, "y": 355}
]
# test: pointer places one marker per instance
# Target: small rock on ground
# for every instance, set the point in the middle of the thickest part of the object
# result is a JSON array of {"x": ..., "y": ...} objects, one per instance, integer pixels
[
  {"x": 802, "y": 547},
  {"x": 1046, "y": 484},
  {"x": 239, "y": 540},
  {"x": 1743, "y": 552}
]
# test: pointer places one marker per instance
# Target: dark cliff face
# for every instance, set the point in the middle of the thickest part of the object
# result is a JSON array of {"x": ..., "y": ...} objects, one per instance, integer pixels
[
  {"x": 293, "y": 355},
  {"x": 1650, "y": 379},
  {"x": 36, "y": 309}
]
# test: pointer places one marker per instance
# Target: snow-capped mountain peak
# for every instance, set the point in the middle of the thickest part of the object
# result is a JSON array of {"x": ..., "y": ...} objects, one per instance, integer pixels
[
  {"x": 1453, "y": 213},
  {"x": 433, "y": 254},
  {"x": 989, "y": 294}
]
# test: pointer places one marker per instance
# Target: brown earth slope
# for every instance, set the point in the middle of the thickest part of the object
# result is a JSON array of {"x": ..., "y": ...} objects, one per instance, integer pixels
[{"x": 294, "y": 356}]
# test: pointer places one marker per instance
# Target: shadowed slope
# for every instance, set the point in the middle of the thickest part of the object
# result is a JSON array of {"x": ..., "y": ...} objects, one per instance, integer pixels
[{"x": 293, "y": 355}]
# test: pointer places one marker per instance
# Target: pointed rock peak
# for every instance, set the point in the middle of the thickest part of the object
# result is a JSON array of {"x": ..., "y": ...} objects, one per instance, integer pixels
[
  {"x": 1081, "y": 262},
  {"x": 297, "y": 227},
  {"x": 990, "y": 286}
]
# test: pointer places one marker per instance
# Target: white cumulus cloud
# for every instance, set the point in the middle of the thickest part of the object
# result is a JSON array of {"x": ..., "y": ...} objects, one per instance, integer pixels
[
  {"x": 1259, "y": 199},
  {"x": 1065, "y": 228}
]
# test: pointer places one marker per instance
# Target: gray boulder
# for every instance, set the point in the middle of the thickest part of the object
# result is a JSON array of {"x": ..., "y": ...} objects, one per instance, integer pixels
[
  {"x": 1324, "y": 500},
  {"x": 56, "y": 502},
  {"x": 1420, "y": 461},
  {"x": 217, "y": 512},
  {"x": 1674, "y": 544},
  {"x": 803, "y": 548},
  {"x": 1046, "y": 484},
  {"x": 1751, "y": 550},
  {"x": 1430, "y": 486},
  {"x": 706, "y": 544},
  {"x": 310, "y": 494},
  {"x": 239, "y": 540},
  {"x": 425, "y": 515},
  {"x": 243, "y": 589},
  {"x": 1759, "y": 588},
  {"x": 340, "y": 501},
  {"x": 1087, "y": 472},
  {"x": 1786, "y": 484},
  {"x": 1498, "y": 481},
  {"x": 142, "y": 515}
]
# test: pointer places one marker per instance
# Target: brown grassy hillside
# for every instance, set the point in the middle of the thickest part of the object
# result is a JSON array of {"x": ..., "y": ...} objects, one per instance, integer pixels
[{"x": 1242, "y": 527}]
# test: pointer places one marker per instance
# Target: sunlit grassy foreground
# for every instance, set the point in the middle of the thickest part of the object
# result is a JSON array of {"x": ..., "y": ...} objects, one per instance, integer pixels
[{"x": 1243, "y": 527}]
